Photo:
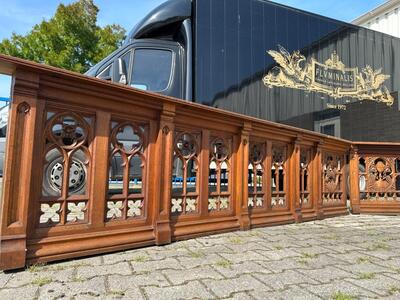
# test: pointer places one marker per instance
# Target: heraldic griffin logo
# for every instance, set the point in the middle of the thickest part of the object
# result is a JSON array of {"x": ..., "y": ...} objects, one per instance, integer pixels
[{"x": 331, "y": 77}]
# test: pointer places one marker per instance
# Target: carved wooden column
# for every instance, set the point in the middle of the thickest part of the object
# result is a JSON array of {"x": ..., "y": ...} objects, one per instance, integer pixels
[
  {"x": 242, "y": 189},
  {"x": 204, "y": 169},
  {"x": 100, "y": 167},
  {"x": 268, "y": 167},
  {"x": 295, "y": 180},
  {"x": 25, "y": 116},
  {"x": 354, "y": 181},
  {"x": 318, "y": 180},
  {"x": 164, "y": 155}
]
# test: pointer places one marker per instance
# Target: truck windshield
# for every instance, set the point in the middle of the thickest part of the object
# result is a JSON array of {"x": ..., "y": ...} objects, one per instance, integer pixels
[{"x": 151, "y": 69}]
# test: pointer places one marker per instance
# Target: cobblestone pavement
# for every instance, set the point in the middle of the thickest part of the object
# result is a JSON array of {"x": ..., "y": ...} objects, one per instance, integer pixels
[{"x": 352, "y": 257}]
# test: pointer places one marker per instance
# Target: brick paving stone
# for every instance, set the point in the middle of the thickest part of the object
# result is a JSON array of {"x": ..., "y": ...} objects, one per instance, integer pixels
[
  {"x": 326, "y": 291},
  {"x": 278, "y": 266},
  {"x": 292, "y": 293},
  {"x": 129, "y": 294},
  {"x": 195, "y": 262},
  {"x": 178, "y": 277},
  {"x": 390, "y": 263},
  {"x": 298, "y": 261},
  {"x": 94, "y": 287},
  {"x": 240, "y": 296},
  {"x": 327, "y": 274},
  {"x": 25, "y": 278},
  {"x": 4, "y": 278},
  {"x": 121, "y": 268},
  {"x": 279, "y": 254},
  {"x": 240, "y": 256},
  {"x": 244, "y": 246},
  {"x": 284, "y": 279},
  {"x": 380, "y": 284},
  {"x": 87, "y": 261},
  {"x": 364, "y": 267},
  {"x": 151, "y": 265},
  {"x": 191, "y": 290},
  {"x": 340, "y": 248},
  {"x": 118, "y": 282},
  {"x": 125, "y": 256},
  {"x": 246, "y": 267},
  {"x": 320, "y": 261},
  {"x": 26, "y": 292},
  {"x": 226, "y": 287}
]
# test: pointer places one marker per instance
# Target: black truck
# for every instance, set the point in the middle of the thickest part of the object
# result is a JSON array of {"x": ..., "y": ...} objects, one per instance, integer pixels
[{"x": 266, "y": 60}]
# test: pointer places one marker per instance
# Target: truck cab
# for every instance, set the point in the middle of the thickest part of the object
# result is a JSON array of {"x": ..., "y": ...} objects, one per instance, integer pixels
[{"x": 156, "y": 55}]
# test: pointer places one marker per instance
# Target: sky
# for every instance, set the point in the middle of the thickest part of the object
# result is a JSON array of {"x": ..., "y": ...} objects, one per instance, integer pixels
[{"x": 19, "y": 16}]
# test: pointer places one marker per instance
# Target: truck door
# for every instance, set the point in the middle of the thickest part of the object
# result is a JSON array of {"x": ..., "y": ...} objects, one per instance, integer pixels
[{"x": 152, "y": 66}]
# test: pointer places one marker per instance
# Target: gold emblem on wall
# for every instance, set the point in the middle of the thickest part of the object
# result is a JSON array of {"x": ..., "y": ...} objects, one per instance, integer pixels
[{"x": 331, "y": 77}]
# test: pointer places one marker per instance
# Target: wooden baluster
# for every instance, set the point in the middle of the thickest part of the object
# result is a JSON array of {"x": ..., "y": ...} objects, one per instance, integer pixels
[
  {"x": 295, "y": 181},
  {"x": 354, "y": 181},
  {"x": 317, "y": 180},
  {"x": 242, "y": 191},
  {"x": 165, "y": 142},
  {"x": 204, "y": 172},
  {"x": 100, "y": 168}
]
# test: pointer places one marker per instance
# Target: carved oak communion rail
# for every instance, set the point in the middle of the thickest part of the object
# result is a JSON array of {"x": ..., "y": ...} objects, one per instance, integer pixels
[
  {"x": 95, "y": 167},
  {"x": 376, "y": 168}
]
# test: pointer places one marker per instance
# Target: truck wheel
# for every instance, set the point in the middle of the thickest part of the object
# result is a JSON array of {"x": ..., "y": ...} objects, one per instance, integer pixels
[{"x": 53, "y": 174}]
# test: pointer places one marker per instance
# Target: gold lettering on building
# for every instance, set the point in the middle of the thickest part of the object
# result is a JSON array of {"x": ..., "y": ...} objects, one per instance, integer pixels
[{"x": 331, "y": 77}]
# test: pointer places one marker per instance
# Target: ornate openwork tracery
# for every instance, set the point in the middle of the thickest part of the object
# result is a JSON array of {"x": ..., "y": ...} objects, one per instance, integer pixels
[
  {"x": 256, "y": 179},
  {"x": 278, "y": 176},
  {"x": 332, "y": 192},
  {"x": 184, "y": 177},
  {"x": 219, "y": 175},
  {"x": 305, "y": 178},
  {"x": 66, "y": 169},
  {"x": 379, "y": 178},
  {"x": 127, "y": 171}
]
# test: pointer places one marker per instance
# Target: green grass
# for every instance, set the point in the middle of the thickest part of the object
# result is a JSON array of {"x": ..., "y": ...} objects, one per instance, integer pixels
[
  {"x": 36, "y": 267},
  {"x": 41, "y": 281},
  {"x": 393, "y": 290},
  {"x": 303, "y": 261},
  {"x": 78, "y": 278},
  {"x": 362, "y": 260},
  {"x": 367, "y": 276},
  {"x": 116, "y": 293},
  {"x": 196, "y": 254},
  {"x": 139, "y": 258},
  {"x": 397, "y": 270},
  {"x": 255, "y": 233},
  {"x": 81, "y": 264},
  {"x": 223, "y": 263},
  {"x": 236, "y": 240},
  {"x": 330, "y": 237},
  {"x": 309, "y": 255},
  {"x": 342, "y": 296},
  {"x": 378, "y": 246}
]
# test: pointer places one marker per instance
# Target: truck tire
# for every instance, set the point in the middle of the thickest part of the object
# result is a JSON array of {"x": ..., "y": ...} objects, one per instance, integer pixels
[{"x": 53, "y": 172}]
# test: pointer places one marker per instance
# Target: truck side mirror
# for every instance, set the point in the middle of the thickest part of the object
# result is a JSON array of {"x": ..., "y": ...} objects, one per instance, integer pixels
[{"x": 122, "y": 71}]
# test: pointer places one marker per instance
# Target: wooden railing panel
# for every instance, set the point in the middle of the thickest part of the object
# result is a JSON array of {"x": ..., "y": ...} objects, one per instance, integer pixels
[
  {"x": 377, "y": 173},
  {"x": 188, "y": 169}
]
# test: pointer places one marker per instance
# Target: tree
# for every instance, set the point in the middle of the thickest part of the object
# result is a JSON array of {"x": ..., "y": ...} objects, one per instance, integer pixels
[{"x": 71, "y": 39}]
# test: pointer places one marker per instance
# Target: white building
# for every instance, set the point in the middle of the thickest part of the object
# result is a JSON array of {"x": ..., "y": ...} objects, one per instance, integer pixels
[{"x": 384, "y": 18}]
